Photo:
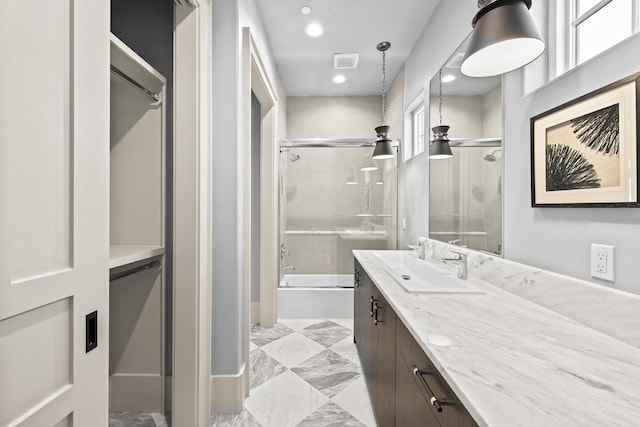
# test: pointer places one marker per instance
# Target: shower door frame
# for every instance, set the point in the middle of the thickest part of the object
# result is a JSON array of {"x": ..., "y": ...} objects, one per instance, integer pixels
[{"x": 334, "y": 143}]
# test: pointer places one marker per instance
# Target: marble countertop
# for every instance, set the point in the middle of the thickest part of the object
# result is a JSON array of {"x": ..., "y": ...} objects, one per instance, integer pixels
[{"x": 513, "y": 363}]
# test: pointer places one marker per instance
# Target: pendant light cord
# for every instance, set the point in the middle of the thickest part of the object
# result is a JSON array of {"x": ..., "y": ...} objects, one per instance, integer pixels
[
  {"x": 440, "y": 104},
  {"x": 384, "y": 80}
]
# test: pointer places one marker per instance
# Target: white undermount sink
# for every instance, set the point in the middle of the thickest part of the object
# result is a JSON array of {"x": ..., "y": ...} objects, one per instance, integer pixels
[{"x": 418, "y": 276}]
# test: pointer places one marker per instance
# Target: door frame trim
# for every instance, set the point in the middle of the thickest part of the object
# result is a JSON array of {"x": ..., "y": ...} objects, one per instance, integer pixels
[{"x": 192, "y": 224}]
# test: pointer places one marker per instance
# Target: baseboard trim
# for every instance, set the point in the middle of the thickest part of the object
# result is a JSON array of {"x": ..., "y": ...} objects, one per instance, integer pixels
[
  {"x": 228, "y": 393},
  {"x": 135, "y": 393}
]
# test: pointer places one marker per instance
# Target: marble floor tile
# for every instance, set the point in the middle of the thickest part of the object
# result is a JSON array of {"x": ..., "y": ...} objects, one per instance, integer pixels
[
  {"x": 326, "y": 333},
  {"x": 131, "y": 419},
  {"x": 355, "y": 400},
  {"x": 161, "y": 420},
  {"x": 243, "y": 419},
  {"x": 328, "y": 372},
  {"x": 284, "y": 401},
  {"x": 263, "y": 368},
  {"x": 298, "y": 324},
  {"x": 347, "y": 349},
  {"x": 347, "y": 323},
  {"x": 293, "y": 349},
  {"x": 330, "y": 415},
  {"x": 252, "y": 346},
  {"x": 261, "y": 336}
]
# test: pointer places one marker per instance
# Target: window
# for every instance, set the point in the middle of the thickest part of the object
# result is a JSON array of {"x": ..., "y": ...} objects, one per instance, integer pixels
[
  {"x": 596, "y": 25},
  {"x": 418, "y": 130}
]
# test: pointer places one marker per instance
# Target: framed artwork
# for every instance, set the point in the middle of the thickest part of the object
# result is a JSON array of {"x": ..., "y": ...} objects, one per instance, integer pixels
[{"x": 585, "y": 153}]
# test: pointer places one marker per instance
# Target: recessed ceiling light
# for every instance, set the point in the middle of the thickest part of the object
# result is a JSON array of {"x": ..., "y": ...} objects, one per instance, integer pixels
[
  {"x": 339, "y": 78},
  {"x": 305, "y": 10},
  {"x": 448, "y": 78},
  {"x": 314, "y": 30}
]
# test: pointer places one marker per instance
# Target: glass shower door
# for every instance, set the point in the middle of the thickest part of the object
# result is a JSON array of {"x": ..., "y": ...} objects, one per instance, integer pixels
[
  {"x": 465, "y": 199},
  {"x": 329, "y": 206}
]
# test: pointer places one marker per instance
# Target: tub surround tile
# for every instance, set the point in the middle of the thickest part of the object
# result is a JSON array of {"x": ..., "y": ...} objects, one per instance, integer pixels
[
  {"x": 611, "y": 311},
  {"x": 263, "y": 368},
  {"x": 328, "y": 372},
  {"x": 284, "y": 401},
  {"x": 330, "y": 415},
  {"x": 243, "y": 419},
  {"x": 292, "y": 349},
  {"x": 355, "y": 400},
  {"x": 326, "y": 333},
  {"x": 261, "y": 336},
  {"x": 515, "y": 362}
]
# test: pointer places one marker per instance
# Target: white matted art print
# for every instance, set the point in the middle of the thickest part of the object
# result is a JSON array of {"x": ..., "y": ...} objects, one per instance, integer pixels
[{"x": 585, "y": 153}]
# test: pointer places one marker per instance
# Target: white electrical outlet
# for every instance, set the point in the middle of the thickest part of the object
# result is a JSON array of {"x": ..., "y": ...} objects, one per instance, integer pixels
[{"x": 602, "y": 261}]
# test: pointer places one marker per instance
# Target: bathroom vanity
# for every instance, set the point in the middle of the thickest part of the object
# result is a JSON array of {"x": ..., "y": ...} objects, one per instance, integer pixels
[{"x": 489, "y": 358}]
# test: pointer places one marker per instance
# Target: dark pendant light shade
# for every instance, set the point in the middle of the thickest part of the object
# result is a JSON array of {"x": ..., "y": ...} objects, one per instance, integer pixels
[
  {"x": 504, "y": 38},
  {"x": 384, "y": 148},
  {"x": 440, "y": 148}
]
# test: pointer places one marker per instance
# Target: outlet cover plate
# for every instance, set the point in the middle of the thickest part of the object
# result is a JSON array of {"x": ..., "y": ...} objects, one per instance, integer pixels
[{"x": 602, "y": 262}]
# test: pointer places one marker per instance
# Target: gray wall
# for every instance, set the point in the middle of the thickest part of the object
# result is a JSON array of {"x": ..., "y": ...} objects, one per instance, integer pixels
[
  {"x": 555, "y": 239},
  {"x": 228, "y": 295},
  {"x": 146, "y": 26}
]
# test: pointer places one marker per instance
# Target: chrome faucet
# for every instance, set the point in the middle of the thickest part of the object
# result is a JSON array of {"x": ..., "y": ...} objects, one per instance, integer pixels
[
  {"x": 422, "y": 247},
  {"x": 461, "y": 261}
]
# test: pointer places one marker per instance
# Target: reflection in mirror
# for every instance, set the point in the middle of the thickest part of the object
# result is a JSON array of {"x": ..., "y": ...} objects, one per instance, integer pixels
[{"x": 465, "y": 191}]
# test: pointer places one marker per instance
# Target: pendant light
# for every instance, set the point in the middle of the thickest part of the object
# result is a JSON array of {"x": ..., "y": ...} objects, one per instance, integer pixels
[
  {"x": 367, "y": 164},
  {"x": 504, "y": 38},
  {"x": 384, "y": 149},
  {"x": 440, "y": 148}
]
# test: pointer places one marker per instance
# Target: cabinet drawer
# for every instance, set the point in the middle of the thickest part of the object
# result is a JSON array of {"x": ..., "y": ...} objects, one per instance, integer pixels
[{"x": 447, "y": 408}]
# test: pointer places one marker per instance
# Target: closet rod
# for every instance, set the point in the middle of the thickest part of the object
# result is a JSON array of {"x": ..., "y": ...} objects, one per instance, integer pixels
[
  {"x": 152, "y": 264},
  {"x": 154, "y": 96}
]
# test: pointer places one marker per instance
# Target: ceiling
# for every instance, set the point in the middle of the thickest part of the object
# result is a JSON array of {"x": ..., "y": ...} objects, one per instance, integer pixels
[
  {"x": 462, "y": 85},
  {"x": 305, "y": 64}
]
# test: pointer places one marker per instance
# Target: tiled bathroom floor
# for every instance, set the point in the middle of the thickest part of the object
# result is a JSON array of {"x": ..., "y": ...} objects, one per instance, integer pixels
[{"x": 304, "y": 373}]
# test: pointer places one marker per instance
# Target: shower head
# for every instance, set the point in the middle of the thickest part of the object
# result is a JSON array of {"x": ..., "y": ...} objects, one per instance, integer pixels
[
  {"x": 293, "y": 157},
  {"x": 491, "y": 157}
]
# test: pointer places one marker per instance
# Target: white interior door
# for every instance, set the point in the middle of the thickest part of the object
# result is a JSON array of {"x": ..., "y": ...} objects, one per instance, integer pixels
[{"x": 54, "y": 173}]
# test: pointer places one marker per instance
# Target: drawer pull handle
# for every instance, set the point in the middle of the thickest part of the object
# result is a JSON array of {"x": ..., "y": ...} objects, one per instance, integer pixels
[
  {"x": 375, "y": 313},
  {"x": 372, "y": 301},
  {"x": 435, "y": 402}
]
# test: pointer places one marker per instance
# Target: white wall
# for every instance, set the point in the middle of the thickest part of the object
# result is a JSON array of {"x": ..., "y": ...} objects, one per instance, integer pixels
[{"x": 554, "y": 239}]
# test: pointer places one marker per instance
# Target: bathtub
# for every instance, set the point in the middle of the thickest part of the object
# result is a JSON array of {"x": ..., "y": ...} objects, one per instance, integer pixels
[{"x": 315, "y": 296}]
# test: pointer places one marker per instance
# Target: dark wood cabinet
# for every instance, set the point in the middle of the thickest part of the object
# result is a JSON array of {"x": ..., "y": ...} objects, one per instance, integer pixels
[
  {"x": 375, "y": 334},
  {"x": 405, "y": 387}
]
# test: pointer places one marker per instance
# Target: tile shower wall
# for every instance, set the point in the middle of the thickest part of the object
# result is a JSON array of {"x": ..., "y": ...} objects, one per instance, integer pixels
[
  {"x": 316, "y": 199},
  {"x": 323, "y": 217}
]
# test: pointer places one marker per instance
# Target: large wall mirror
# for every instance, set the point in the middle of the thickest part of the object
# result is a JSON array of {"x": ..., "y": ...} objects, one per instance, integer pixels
[{"x": 465, "y": 191}]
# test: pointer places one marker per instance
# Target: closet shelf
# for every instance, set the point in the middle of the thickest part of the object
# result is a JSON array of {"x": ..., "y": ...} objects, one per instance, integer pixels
[{"x": 123, "y": 255}]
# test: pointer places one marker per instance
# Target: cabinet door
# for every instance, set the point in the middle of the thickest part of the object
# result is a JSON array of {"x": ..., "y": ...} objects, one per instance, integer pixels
[
  {"x": 54, "y": 182},
  {"x": 411, "y": 408},
  {"x": 385, "y": 362},
  {"x": 364, "y": 329}
]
